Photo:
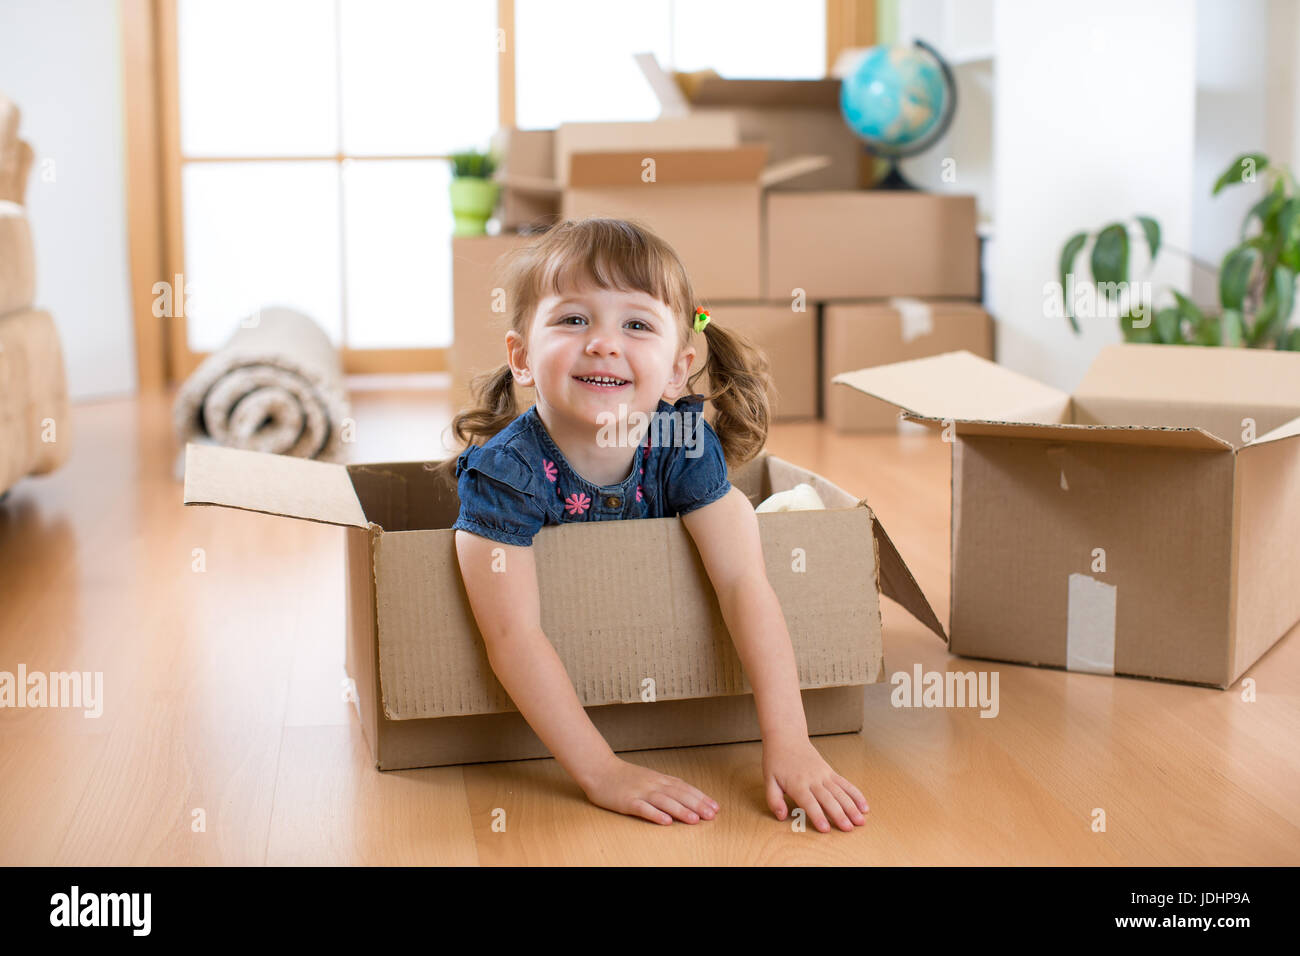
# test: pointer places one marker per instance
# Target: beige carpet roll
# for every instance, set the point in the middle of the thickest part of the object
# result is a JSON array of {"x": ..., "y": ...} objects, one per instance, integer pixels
[{"x": 276, "y": 386}]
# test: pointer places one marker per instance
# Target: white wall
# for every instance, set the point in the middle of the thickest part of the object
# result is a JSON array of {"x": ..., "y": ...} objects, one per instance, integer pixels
[
  {"x": 1094, "y": 121},
  {"x": 1231, "y": 118},
  {"x": 60, "y": 62}
]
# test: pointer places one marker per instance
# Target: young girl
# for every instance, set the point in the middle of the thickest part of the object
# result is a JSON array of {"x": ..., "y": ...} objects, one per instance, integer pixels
[{"x": 601, "y": 314}]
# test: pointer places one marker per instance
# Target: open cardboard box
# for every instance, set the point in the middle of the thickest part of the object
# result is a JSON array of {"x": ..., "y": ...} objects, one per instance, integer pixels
[
  {"x": 1146, "y": 525},
  {"x": 791, "y": 117},
  {"x": 624, "y": 602}
]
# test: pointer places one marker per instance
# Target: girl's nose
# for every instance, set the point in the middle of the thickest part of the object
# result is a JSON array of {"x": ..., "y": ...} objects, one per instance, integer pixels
[{"x": 601, "y": 344}]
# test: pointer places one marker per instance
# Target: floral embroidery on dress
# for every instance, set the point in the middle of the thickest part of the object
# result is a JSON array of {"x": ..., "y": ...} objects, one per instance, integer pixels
[
  {"x": 577, "y": 503},
  {"x": 638, "y": 492},
  {"x": 549, "y": 468}
]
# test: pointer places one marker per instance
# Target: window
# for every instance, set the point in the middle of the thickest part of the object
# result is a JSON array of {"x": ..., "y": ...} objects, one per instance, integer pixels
[
  {"x": 308, "y": 140},
  {"x": 313, "y": 141}
]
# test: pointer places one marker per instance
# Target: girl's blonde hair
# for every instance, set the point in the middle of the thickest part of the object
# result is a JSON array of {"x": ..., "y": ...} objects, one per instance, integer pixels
[{"x": 623, "y": 255}]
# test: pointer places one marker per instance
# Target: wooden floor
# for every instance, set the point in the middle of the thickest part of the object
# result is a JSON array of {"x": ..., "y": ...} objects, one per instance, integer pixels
[{"x": 225, "y": 738}]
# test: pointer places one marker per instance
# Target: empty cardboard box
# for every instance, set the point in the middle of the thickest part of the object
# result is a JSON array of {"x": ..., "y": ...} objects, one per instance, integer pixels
[
  {"x": 1147, "y": 525},
  {"x": 864, "y": 334},
  {"x": 871, "y": 244},
  {"x": 627, "y": 604}
]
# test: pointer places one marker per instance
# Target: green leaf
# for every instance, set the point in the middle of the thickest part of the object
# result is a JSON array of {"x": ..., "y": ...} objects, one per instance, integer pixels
[
  {"x": 1152, "y": 230},
  {"x": 1291, "y": 341},
  {"x": 1135, "y": 334},
  {"x": 1236, "y": 172},
  {"x": 1167, "y": 326},
  {"x": 1189, "y": 308},
  {"x": 1234, "y": 275},
  {"x": 1279, "y": 299},
  {"x": 1231, "y": 331},
  {"x": 1068, "y": 254},
  {"x": 1288, "y": 227},
  {"x": 1110, "y": 261},
  {"x": 1265, "y": 211},
  {"x": 1206, "y": 331}
]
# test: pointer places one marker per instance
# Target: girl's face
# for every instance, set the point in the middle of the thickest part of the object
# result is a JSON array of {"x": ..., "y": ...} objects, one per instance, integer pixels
[{"x": 590, "y": 331}]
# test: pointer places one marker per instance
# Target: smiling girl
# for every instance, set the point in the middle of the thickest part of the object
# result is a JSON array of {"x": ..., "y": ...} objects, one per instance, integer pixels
[{"x": 602, "y": 313}]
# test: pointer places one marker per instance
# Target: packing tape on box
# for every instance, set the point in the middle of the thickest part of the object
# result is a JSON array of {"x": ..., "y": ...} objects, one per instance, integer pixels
[
  {"x": 1090, "y": 626},
  {"x": 914, "y": 317}
]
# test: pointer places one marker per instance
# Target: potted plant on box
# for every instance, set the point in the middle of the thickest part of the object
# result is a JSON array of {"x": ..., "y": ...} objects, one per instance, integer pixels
[
  {"x": 1257, "y": 277},
  {"x": 473, "y": 193}
]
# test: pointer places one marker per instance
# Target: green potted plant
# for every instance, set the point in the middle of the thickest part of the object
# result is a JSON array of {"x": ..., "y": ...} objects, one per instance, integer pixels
[
  {"x": 1257, "y": 277},
  {"x": 473, "y": 193}
]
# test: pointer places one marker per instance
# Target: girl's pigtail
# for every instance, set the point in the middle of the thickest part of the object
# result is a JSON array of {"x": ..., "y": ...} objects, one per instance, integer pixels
[
  {"x": 740, "y": 379},
  {"x": 492, "y": 408}
]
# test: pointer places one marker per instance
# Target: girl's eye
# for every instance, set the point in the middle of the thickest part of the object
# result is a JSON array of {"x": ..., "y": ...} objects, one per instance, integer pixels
[{"x": 565, "y": 321}]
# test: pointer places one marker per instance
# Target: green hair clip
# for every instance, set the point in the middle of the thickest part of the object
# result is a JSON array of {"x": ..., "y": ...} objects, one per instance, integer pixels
[{"x": 701, "y": 319}]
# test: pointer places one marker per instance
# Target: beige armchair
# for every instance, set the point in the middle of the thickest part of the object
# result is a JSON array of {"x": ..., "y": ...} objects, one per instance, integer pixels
[{"x": 34, "y": 430}]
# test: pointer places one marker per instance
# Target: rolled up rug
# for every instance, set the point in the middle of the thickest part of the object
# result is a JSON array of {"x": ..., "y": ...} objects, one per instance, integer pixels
[{"x": 276, "y": 386}]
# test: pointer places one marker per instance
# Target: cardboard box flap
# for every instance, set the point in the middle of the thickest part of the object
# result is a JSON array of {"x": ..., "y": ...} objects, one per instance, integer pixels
[
  {"x": 742, "y": 164},
  {"x": 960, "y": 386},
  {"x": 1247, "y": 378},
  {"x": 707, "y": 88},
  {"x": 529, "y": 185},
  {"x": 677, "y": 92},
  {"x": 272, "y": 484},
  {"x": 1165, "y": 436},
  {"x": 898, "y": 584},
  {"x": 791, "y": 168},
  {"x": 1287, "y": 430}
]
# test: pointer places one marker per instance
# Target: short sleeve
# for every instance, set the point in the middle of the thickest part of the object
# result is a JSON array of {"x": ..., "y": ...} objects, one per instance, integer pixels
[
  {"x": 697, "y": 475},
  {"x": 496, "y": 496}
]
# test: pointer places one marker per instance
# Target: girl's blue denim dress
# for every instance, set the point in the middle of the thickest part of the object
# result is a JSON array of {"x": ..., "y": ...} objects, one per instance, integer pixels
[{"x": 519, "y": 481}]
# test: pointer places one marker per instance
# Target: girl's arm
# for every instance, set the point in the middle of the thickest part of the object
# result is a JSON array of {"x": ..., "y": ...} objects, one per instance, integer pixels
[
  {"x": 726, "y": 534},
  {"x": 507, "y": 609}
]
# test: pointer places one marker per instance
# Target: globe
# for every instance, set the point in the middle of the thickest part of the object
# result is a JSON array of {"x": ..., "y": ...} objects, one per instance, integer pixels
[{"x": 899, "y": 100}]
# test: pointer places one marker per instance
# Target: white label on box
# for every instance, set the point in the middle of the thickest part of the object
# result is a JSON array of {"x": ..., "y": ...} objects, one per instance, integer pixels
[
  {"x": 1090, "y": 626},
  {"x": 915, "y": 317}
]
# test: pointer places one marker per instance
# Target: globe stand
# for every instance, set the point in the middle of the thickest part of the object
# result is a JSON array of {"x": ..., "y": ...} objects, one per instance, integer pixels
[{"x": 896, "y": 181}]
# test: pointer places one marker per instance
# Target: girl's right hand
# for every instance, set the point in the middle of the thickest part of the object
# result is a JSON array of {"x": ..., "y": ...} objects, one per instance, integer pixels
[{"x": 641, "y": 792}]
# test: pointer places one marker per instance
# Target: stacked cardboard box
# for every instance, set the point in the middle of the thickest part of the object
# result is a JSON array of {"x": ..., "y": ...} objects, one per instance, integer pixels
[{"x": 757, "y": 185}]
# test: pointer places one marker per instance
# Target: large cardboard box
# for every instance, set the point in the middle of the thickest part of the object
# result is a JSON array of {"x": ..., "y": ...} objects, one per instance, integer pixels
[
  {"x": 535, "y": 167},
  {"x": 707, "y": 203},
  {"x": 871, "y": 244},
  {"x": 789, "y": 340},
  {"x": 791, "y": 117},
  {"x": 478, "y": 328},
  {"x": 425, "y": 692},
  {"x": 1146, "y": 525},
  {"x": 526, "y": 176},
  {"x": 864, "y": 334}
]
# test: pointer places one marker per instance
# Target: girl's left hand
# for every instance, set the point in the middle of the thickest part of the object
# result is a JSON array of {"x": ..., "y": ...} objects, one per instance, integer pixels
[{"x": 796, "y": 769}]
